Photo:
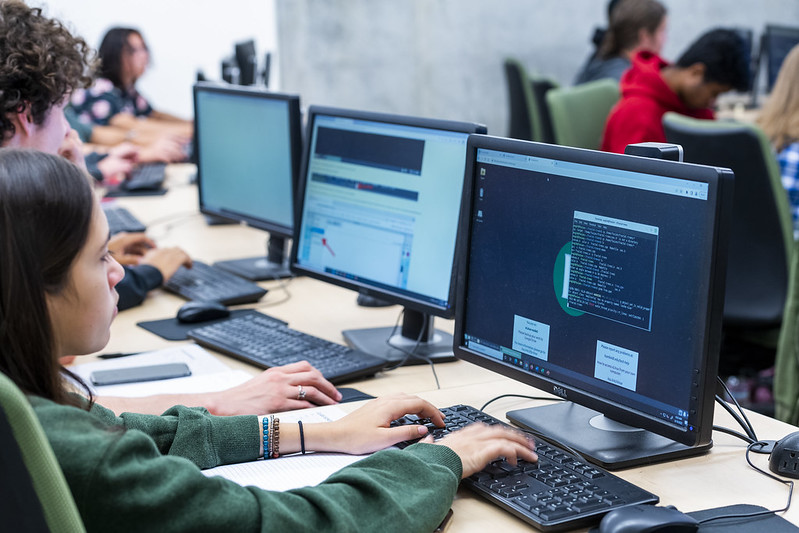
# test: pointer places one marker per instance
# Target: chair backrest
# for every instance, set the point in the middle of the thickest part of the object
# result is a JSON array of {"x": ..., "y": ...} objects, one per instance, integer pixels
[
  {"x": 541, "y": 86},
  {"x": 520, "y": 98},
  {"x": 579, "y": 113},
  {"x": 786, "y": 362},
  {"x": 56, "y": 508},
  {"x": 761, "y": 237}
]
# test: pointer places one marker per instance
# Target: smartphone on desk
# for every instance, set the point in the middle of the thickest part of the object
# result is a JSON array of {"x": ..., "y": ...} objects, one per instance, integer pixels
[{"x": 137, "y": 374}]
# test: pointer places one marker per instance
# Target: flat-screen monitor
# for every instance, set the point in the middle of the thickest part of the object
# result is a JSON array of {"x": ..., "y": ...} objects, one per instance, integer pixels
[
  {"x": 248, "y": 147},
  {"x": 246, "y": 61},
  {"x": 777, "y": 41},
  {"x": 747, "y": 37},
  {"x": 379, "y": 198},
  {"x": 598, "y": 278}
]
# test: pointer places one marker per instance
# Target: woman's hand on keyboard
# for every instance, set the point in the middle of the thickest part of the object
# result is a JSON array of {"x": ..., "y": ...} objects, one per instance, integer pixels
[
  {"x": 367, "y": 429},
  {"x": 276, "y": 389},
  {"x": 479, "y": 444},
  {"x": 166, "y": 260}
]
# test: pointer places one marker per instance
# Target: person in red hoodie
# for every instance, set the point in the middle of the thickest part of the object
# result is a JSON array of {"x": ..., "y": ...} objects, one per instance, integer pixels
[{"x": 712, "y": 65}]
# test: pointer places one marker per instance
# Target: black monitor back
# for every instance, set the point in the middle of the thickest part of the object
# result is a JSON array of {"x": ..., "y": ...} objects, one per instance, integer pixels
[{"x": 247, "y": 62}]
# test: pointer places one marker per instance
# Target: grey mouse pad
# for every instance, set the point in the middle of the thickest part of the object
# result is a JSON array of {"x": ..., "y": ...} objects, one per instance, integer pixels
[{"x": 172, "y": 330}]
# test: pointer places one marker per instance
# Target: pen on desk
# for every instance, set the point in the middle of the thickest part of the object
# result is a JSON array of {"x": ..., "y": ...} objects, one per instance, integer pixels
[{"x": 116, "y": 355}]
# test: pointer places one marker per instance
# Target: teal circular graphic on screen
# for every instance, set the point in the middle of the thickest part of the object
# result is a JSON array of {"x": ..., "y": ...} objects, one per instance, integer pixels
[{"x": 558, "y": 277}]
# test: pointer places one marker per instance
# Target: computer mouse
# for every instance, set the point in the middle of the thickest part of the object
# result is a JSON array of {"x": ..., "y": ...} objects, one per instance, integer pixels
[
  {"x": 201, "y": 311},
  {"x": 647, "y": 519},
  {"x": 784, "y": 458}
]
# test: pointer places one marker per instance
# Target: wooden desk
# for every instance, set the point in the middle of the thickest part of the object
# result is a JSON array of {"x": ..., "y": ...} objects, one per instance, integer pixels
[{"x": 716, "y": 479}]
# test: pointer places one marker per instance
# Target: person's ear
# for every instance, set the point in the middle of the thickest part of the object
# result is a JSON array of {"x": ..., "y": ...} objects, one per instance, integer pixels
[
  {"x": 697, "y": 72},
  {"x": 23, "y": 121}
]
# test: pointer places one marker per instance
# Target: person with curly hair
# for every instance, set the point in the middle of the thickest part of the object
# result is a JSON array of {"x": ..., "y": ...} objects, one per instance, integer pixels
[{"x": 36, "y": 76}]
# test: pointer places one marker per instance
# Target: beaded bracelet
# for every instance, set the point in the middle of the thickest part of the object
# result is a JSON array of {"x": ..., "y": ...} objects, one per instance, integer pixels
[
  {"x": 275, "y": 438},
  {"x": 268, "y": 452},
  {"x": 265, "y": 422}
]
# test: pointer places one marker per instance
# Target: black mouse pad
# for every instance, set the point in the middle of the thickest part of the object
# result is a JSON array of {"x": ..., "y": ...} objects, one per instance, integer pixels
[
  {"x": 120, "y": 193},
  {"x": 172, "y": 330},
  {"x": 349, "y": 394}
]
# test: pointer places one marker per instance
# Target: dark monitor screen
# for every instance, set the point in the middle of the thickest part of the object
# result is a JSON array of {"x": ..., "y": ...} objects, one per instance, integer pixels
[
  {"x": 248, "y": 154},
  {"x": 747, "y": 37},
  {"x": 777, "y": 42},
  {"x": 379, "y": 204},
  {"x": 599, "y": 278}
]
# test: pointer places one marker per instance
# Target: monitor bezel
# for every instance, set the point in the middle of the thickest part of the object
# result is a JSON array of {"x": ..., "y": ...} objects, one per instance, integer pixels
[
  {"x": 771, "y": 33},
  {"x": 705, "y": 383},
  {"x": 385, "y": 294},
  {"x": 295, "y": 141}
]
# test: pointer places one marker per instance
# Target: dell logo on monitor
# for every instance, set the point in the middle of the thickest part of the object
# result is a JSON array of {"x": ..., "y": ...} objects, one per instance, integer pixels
[{"x": 560, "y": 391}]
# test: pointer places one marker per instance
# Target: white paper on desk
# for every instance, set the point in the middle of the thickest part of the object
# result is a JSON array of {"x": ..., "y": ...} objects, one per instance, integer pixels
[
  {"x": 292, "y": 471},
  {"x": 208, "y": 374}
]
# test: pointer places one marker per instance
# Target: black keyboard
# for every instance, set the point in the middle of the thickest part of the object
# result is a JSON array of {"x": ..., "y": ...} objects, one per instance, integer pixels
[
  {"x": 146, "y": 177},
  {"x": 267, "y": 342},
  {"x": 120, "y": 219},
  {"x": 558, "y": 492},
  {"x": 205, "y": 282}
]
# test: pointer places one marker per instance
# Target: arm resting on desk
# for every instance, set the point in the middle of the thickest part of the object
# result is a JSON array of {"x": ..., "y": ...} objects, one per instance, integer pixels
[{"x": 273, "y": 390}]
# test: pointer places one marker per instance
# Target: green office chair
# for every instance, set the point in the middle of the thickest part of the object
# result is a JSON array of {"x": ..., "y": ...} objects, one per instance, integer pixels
[
  {"x": 579, "y": 113},
  {"x": 761, "y": 237},
  {"x": 786, "y": 365},
  {"x": 34, "y": 496},
  {"x": 541, "y": 86},
  {"x": 529, "y": 117}
]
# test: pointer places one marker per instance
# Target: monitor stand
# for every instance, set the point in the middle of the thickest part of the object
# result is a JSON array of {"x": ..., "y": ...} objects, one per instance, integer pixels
[
  {"x": 274, "y": 266},
  {"x": 601, "y": 440},
  {"x": 434, "y": 345},
  {"x": 213, "y": 220}
]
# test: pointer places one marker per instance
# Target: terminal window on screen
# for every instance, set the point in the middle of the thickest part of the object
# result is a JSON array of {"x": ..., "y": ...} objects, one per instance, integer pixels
[{"x": 369, "y": 197}]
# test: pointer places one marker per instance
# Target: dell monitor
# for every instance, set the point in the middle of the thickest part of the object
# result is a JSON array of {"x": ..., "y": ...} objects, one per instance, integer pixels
[
  {"x": 598, "y": 278},
  {"x": 379, "y": 198},
  {"x": 248, "y": 147}
]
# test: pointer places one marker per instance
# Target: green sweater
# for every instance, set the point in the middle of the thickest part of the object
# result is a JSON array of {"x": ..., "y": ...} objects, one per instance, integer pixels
[{"x": 142, "y": 473}]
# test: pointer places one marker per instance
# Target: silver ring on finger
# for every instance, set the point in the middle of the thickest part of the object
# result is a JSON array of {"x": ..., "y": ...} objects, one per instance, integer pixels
[{"x": 300, "y": 392}]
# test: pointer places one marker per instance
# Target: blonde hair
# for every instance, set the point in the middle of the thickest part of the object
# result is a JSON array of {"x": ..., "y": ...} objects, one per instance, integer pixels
[{"x": 779, "y": 118}]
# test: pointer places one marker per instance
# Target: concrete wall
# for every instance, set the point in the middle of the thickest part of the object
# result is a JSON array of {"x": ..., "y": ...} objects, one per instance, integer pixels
[{"x": 443, "y": 58}]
